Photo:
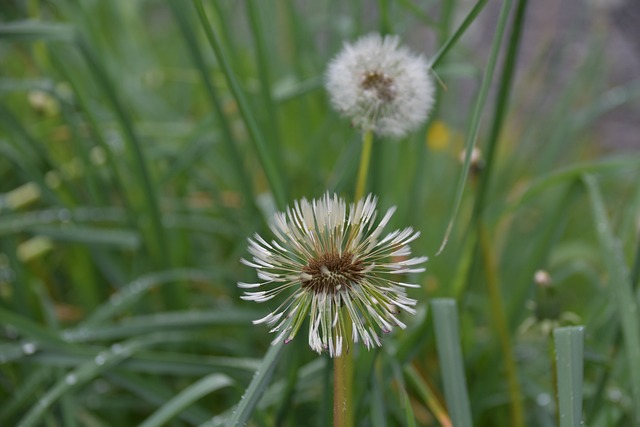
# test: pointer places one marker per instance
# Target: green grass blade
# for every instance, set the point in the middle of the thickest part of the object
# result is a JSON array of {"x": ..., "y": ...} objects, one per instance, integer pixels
[
  {"x": 85, "y": 373},
  {"x": 156, "y": 392},
  {"x": 270, "y": 169},
  {"x": 133, "y": 291},
  {"x": 478, "y": 109},
  {"x": 500, "y": 111},
  {"x": 157, "y": 242},
  {"x": 445, "y": 319},
  {"x": 257, "y": 386},
  {"x": 34, "y": 30},
  {"x": 185, "y": 398},
  {"x": 427, "y": 395},
  {"x": 569, "y": 342},
  {"x": 265, "y": 78},
  {"x": 154, "y": 363},
  {"x": 620, "y": 286},
  {"x": 466, "y": 22},
  {"x": 162, "y": 321},
  {"x": 228, "y": 138},
  {"x": 125, "y": 239}
]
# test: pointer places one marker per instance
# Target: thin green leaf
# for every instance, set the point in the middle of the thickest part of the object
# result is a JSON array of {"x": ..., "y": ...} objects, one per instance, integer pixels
[
  {"x": 138, "y": 325},
  {"x": 445, "y": 319},
  {"x": 466, "y": 22},
  {"x": 478, "y": 109},
  {"x": 36, "y": 30},
  {"x": 620, "y": 286},
  {"x": 569, "y": 342},
  {"x": 259, "y": 383},
  {"x": 185, "y": 398},
  {"x": 133, "y": 291},
  {"x": 274, "y": 177}
]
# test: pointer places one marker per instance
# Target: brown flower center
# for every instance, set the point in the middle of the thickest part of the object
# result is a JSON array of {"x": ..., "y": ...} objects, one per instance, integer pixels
[
  {"x": 379, "y": 82},
  {"x": 329, "y": 273}
]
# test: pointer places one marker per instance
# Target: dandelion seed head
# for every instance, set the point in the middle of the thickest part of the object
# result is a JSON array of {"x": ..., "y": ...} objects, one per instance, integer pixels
[
  {"x": 380, "y": 85},
  {"x": 331, "y": 265}
]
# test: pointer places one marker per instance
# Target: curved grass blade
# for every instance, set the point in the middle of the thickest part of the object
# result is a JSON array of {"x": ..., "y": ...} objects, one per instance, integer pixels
[
  {"x": 620, "y": 286},
  {"x": 35, "y": 30},
  {"x": 155, "y": 391},
  {"x": 85, "y": 373},
  {"x": 474, "y": 126},
  {"x": 569, "y": 342},
  {"x": 445, "y": 319},
  {"x": 163, "y": 321},
  {"x": 275, "y": 180},
  {"x": 468, "y": 20},
  {"x": 428, "y": 396},
  {"x": 186, "y": 397},
  {"x": 130, "y": 293},
  {"x": 257, "y": 386}
]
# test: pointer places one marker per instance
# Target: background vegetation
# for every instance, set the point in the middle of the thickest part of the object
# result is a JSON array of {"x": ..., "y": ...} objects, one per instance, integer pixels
[{"x": 142, "y": 141}]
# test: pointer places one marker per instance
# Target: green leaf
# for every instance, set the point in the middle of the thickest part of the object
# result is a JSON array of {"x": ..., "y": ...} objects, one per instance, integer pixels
[
  {"x": 36, "y": 30},
  {"x": 185, "y": 398},
  {"x": 256, "y": 388},
  {"x": 445, "y": 319},
  {"x": 569, "y": 342},
  {"x": 620, "y": 287}
]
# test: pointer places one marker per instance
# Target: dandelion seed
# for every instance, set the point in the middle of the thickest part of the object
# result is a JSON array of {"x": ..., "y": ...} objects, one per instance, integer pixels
[
  {"x": 381, "y": 86},
  {"x": 329, "y": 259}
]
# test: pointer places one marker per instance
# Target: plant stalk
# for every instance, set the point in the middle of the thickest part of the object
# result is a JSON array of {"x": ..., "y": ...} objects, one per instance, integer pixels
[{"x": 343, "y": 365}]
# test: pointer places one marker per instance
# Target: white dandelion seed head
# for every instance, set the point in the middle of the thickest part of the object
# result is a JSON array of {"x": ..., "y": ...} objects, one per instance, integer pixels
[
  {"x": 381, "y": 86},
  {"x": 330, "y": 259}
]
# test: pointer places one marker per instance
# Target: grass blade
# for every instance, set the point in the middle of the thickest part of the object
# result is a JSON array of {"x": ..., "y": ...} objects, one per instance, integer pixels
[
  {"x": 474, "y": 126},
  {"x": 186, "y": 397},
  {"x": 569, "y": 342},
  {"x": 257, "y": 387},
  {"x": 273, "y": 176},
  {"x": 620, "y": 286},
  {"x": 445, "y": 319},
  {"x": 34, "y": 30},
  {"x": 468, "y": 20}
]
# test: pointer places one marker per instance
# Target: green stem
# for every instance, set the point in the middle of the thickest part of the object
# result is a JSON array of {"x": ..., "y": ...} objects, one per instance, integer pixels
[
  {"x": 342, "y": 388},
  {"x": 365, "y": 159},
  {"x": 343, "y": 365},
  {"x": 500, "y": 320}
]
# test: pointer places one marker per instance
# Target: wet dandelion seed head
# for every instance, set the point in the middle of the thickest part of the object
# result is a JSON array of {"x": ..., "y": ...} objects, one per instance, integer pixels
[{"x": 334, "y": 266}]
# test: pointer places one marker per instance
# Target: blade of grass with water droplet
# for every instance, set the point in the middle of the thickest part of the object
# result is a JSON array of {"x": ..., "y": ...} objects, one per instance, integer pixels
[
  {"x": 258, "y": 385},
  {"x": 89, "y": 370}
]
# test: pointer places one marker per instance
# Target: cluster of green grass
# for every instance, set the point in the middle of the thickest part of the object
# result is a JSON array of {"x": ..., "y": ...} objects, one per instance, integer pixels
[{"x": 142, "y": 141}]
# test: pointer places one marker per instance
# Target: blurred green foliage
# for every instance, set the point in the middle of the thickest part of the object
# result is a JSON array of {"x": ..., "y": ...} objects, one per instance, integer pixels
[{"x": 136, "y": 159}]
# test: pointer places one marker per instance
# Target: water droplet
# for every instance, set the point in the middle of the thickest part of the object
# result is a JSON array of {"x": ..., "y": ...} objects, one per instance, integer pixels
[
  {"x": 29, "y": 348},
  {"x": 100, "y": 359},
  {"x": 543, "y": 399},
  {"x": 64, "y": 215},
  {"x": 117, "y": 348},
  {"x": 71, "y": 379}
]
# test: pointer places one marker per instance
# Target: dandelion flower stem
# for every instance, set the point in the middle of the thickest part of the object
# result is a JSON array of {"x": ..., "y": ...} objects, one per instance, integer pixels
[
  {"x": 343, "y": 390},
  {"x": 365, "y": 159},
  {"x": 343, "y": 365}
]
